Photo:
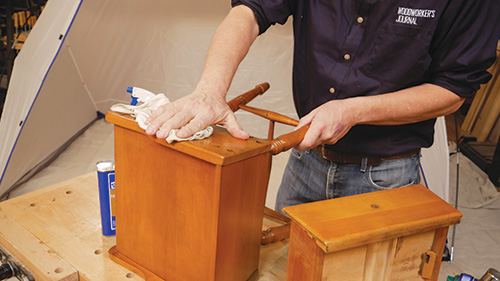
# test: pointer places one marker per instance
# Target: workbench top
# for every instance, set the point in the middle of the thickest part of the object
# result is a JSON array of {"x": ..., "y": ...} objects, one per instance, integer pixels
[{"x": 55, "y": 232}]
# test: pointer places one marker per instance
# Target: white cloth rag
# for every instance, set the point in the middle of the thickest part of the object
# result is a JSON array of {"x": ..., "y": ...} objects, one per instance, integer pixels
[{"x": 146, "y": 106}]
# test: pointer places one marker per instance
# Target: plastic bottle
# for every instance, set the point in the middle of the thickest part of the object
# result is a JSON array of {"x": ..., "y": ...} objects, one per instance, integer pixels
[
  {"x": 139, "y": 94},
  {"x": 490, "y": 275},
  {"x": 461, "y": 277}
]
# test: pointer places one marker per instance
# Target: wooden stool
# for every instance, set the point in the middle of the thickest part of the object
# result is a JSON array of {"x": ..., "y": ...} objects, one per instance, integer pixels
[
  {"x": 391, "y": 235},
  {"x": 188, "y": 210},
  {"x": 192, "y": 210}
]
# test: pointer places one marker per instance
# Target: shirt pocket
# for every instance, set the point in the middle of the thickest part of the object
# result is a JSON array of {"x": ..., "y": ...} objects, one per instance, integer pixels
[{"x": 400, "y": 53}]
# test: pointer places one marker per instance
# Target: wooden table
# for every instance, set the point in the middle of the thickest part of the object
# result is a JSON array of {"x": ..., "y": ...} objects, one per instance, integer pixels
[{"x": 55, "y": 233}]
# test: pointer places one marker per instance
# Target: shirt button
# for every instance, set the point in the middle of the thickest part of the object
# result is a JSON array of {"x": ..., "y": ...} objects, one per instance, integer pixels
[
  {"x": 332, "y": 90},
  {"x": 347, "y": 57},
  {"x": 360, "y": 20}
]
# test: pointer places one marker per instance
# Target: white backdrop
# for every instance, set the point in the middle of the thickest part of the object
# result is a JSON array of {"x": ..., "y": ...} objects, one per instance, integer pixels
[{"x": 82, "y": 55}]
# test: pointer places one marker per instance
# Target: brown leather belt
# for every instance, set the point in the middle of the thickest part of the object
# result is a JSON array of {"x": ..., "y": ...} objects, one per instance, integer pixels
[{"x": 334, "y": 156}]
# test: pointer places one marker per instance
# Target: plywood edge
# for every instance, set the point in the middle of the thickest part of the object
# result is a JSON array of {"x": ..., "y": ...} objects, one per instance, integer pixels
[{"x": 43, "y": 262}]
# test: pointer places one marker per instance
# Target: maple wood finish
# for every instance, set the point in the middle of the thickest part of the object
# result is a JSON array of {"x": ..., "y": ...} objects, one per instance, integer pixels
[
  {"x": 245, "y": 98},
  {"x": 270, "y": 115},
  {"x": 390, "y": 235},
  {"x": 189, "y": 210},
  {"x": 193, "y": 210},
  {"x": 275, "y": 233}
]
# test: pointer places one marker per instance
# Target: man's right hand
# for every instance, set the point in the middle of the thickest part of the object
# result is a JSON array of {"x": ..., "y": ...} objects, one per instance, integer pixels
[
  {"x": 206, "y": 105},
  {"x": 191, "y": 114}
]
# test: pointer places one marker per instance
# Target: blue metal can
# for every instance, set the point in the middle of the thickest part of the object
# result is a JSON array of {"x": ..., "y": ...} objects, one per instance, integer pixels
[{"x": 106, "y": 180}]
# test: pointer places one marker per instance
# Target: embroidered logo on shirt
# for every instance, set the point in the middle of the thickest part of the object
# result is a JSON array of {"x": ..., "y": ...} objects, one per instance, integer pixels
[{"x": 410, "y": 16}]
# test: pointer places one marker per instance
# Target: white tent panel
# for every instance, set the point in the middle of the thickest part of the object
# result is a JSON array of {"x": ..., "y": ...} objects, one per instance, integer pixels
[
  {"x": 31, "y": 126},
  {"x": 161, "y": 46},
  {"x": 435, "y": 162},
  {"x": 60, "y": 111}
]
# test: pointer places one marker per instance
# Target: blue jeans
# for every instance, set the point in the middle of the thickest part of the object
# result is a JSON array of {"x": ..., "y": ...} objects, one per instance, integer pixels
[{"x": 308, "y": 177}]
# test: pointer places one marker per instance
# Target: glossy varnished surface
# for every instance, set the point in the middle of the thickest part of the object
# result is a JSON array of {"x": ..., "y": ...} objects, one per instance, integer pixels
[
  {"x": 391, "y": 235},
  {"x": 373, "y": 217},
  {"x": 220, "y": 149},
  {"x": 189, "y": 210}
]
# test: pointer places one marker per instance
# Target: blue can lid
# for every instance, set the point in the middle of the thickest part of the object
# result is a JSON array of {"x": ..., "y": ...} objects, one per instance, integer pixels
[{"x": 130, "y": 89}]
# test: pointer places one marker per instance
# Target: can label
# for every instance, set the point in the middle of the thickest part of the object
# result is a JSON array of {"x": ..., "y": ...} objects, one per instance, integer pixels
[
  {"x": 106, "y": 180},
  {"x": 112, "y": 205}
]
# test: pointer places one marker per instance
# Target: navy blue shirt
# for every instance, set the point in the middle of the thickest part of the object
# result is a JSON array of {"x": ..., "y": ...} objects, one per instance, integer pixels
[{"x": 356, "y": 48}]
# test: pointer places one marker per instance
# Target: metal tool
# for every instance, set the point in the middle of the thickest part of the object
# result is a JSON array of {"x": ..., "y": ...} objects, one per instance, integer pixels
[
  {"x": 10, "y": 268},
  {"x": 491, "y": 275}
]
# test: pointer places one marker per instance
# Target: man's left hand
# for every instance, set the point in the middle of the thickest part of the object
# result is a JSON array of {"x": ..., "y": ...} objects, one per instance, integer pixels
[{"x": 328, "y": 123}]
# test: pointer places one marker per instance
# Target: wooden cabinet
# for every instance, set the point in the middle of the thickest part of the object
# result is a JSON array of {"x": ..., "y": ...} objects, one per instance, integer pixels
[
  {"x": 189, "y": 210},
  {"x": 390, "y": 235}
]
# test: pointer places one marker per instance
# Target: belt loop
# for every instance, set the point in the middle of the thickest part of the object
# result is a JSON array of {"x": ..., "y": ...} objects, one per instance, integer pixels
[
  {"x": 323, "y": 152},
  {"x": 364, "y": 164}
]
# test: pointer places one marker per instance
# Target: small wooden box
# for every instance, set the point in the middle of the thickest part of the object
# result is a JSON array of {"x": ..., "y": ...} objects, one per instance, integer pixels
[
  {"x": 390, "y": 235},
  {"x": 188, "y": 210}
]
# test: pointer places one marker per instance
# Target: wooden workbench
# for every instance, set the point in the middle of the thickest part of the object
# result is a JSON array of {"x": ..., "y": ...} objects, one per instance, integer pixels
[{"x": 55, "y": 233}]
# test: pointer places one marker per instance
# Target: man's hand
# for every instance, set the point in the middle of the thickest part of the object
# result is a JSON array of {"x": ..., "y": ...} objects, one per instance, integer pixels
[
  {"x": 206, "y": 105},
  {"x": 328, "y": 123},
  {"x": 191, "y": 114},
  {"x": 332, "y": 120}
]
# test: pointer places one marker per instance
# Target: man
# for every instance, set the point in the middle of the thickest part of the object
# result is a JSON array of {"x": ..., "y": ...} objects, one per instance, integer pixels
[{"x": 369, "y": 77}]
